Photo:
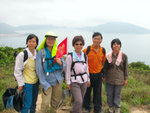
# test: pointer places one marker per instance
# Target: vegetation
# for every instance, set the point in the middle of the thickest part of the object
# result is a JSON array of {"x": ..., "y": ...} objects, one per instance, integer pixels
[{"x": 136, "y": 93}]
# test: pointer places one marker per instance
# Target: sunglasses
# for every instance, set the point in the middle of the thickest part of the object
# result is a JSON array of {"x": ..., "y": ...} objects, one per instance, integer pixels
[{"x": 78, "y": 44}]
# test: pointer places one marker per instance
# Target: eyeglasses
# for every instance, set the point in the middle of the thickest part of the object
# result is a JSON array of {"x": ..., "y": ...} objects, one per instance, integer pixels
[
  {"x": 78, "y": 44},
  {"x": 50, "y": 39}
]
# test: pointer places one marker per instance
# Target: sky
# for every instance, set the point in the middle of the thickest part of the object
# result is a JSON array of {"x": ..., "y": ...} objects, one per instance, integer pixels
[{"x": 75, "y": 13}]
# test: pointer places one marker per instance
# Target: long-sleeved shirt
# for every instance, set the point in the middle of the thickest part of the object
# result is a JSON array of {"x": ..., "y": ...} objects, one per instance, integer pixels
[
  {"x": 79, "y": 68},
  {"x": 22, "y": 72},
  {"x": 114, "y": 74},
  {"x": 51, "y": 79}
]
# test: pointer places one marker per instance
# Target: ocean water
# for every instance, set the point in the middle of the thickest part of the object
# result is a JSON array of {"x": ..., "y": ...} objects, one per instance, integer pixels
[{"x": 136, "y": 47}]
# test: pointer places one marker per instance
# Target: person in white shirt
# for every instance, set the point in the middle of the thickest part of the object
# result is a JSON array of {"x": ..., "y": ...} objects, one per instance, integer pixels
[{"x": 26, "y": 76}]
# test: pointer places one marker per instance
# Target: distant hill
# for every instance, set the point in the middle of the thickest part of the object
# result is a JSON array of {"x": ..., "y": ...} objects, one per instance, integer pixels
[
  {"x": 6, "y": 29},
  {"x": 35, "y": 27},
  {"x": 111, "y": 27},
  {"x": 118, "y": 27}
]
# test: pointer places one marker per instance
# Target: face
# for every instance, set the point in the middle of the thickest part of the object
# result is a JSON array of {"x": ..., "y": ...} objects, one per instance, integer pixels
[
  {"x": 97, "y": 40},
  {"x": 50, "y": 41},
  {"x": 78, "y": 46},
  {"x": 116, "y": 47},
  {"x": 32, "y": 43}
]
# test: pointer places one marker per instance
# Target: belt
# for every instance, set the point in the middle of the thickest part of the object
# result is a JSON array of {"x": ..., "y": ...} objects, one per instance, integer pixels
[{"x": 95, "y": 73}]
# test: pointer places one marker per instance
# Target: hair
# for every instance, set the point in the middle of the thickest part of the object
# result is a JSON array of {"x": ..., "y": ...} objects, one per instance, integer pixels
[
  {"x": 32, "y": 36},
  {"x": 76, "y": 39},
  {"x": 97, "y": 34},
  {"x": 116, "y": 40}
]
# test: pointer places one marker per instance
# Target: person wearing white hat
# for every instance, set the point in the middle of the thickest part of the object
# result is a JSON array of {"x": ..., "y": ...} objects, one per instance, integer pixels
[{"x": 50, "y": 73}]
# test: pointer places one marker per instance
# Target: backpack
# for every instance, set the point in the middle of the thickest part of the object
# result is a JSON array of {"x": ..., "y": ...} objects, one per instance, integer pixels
[
  {"x": 13, "y": 99},
  {"x": 25, "y": 55},
  {"x": 73, "y": 63},
  {"x": 24, "y": 58},
  {"x": 89, "y": 47}
]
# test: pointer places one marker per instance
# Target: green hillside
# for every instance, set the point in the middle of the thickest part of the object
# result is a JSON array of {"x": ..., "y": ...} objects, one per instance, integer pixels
[{"x": 136, "y": 93}]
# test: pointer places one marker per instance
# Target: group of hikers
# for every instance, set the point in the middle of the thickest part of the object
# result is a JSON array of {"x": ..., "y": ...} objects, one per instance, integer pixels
[{"x": 85, "y": 71}]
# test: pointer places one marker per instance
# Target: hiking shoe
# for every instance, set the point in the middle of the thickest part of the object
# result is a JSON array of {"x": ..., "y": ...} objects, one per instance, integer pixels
[
  {"x": 100, "y": 111},
  {"x": 111, "y": 109},
  {"x": 117, "y": 110},
  {"x": 86, "y": 111}
]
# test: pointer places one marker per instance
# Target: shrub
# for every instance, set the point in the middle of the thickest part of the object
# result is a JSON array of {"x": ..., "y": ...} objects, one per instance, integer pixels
[
  {"x": 124, "y": 107},
  {"x": 139, "y": 65}
]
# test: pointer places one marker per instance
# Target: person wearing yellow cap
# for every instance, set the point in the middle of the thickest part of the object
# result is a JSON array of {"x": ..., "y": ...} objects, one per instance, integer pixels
[{"x": 50, "y": 73}]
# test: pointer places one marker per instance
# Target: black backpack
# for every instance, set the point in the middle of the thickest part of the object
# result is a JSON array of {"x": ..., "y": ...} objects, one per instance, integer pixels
[
  {"x": 13, "y": 99},
  {"x": 25, "y": 55}
]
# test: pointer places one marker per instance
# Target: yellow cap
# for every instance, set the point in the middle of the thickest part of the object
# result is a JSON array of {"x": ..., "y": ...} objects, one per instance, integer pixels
[{"x": 51, "y": 34}]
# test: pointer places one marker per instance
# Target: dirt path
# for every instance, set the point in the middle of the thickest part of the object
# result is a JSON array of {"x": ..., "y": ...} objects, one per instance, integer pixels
[
  {"x": 65, "y": 109},
  {"x": 139, "y": 110}
]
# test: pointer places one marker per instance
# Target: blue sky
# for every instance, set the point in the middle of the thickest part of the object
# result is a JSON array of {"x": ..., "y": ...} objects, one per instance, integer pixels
[{"x": 74, "y": 13}]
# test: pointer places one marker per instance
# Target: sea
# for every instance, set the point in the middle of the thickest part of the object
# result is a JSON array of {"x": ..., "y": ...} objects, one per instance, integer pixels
[{"x": 135, "y": 46}]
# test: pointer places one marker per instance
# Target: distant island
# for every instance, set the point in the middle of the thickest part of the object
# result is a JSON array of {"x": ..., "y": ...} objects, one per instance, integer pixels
[
  {"x": 108, "y": 28},
  {"x": 118, "y": 27}
]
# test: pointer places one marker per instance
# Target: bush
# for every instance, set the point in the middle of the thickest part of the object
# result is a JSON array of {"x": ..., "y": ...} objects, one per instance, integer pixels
[
  {"x": 124, "y": 107},
  {"x": 139, "y": 65},
  {"x": 7, "y": 55}
]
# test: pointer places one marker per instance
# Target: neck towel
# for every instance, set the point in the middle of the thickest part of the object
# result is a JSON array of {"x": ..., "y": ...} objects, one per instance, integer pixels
[
  {"x": 76, "y": 58},
  {"x": 119, "y": 58}
]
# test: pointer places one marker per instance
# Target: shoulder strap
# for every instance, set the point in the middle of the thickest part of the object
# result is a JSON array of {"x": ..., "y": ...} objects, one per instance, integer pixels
[
  {"x": 43, "y": 54},
  {"x": 104, "y": 51},
  {"x": 25, "y": 55},
  {"x": 72, "y": 60},
  {"x": 85, "y": 57},
  {"x": 88, "y": 50}
]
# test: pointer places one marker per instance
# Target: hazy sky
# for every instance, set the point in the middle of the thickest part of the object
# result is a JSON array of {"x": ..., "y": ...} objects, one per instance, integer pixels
[{"x": 74, "y": 13}]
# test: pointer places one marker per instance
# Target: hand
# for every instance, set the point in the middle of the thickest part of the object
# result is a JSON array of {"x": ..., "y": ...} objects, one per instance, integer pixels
[
  {"x": 68, "y": 87},
  {"x": 89, "y": 84},
  {"x": 104, "y": 80},
  {"x": 58, "y": 60},
  {"x": 125, "y": 82},
  {"x": 20, "y": 88}
]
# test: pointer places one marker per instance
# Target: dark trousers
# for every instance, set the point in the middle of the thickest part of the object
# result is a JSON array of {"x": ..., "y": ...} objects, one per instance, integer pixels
[{"x": 96, "y": 85}]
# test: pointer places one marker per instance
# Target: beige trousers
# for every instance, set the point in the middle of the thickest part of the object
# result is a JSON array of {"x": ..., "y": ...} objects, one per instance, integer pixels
[{"x": 51, "y": 98}]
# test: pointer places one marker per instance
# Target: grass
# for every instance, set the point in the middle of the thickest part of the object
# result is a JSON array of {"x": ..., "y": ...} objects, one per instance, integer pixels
[{"x": 136, "y": 93}]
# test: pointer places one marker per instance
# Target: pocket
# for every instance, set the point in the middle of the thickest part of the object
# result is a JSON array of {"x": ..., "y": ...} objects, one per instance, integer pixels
[{"x": 46, "y": 92}]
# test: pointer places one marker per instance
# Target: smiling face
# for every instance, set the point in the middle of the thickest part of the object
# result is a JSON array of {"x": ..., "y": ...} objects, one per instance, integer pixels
[
  {"x": 32, "y": 43},
  {"x": 78, "y": 46},
  {"x": 116, "y": 47},
  {"x": 97, "y": 40},
  {"x": 50, "y": 41}
]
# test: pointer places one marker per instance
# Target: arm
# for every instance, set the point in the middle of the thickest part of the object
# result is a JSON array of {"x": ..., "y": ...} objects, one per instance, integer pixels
[
  {"x": 63, "y": 64},
  {"x": 68, "y": 71},
  {"x": 40, "y": 71},
  {"x": 18, "y": 70},
  {"x": 105, "y": 70},
  {"x": 89, "y": 83},
  {"x": 125, "y": 71}
]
